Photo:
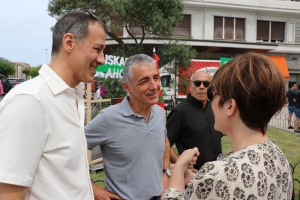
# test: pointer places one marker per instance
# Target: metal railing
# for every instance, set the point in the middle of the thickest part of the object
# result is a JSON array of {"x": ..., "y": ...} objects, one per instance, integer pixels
[
  {"x": 280, "y": 121},
  {"x": 295, "y": 179}
]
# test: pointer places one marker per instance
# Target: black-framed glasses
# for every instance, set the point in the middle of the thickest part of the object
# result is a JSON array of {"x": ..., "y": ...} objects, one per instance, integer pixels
[
  {"x": 81, "y": 17},
  {"x": 197, "y": 83}
]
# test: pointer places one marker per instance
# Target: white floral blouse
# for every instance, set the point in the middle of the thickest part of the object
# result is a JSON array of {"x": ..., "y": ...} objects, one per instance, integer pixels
[{"x": 256, "y": 172}]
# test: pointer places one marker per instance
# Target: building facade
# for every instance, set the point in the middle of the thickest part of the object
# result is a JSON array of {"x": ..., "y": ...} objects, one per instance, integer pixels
[
  {"x": 228, "y": 27},
  {"x": 224, "y": 28},
  {"x": 19, "y": 66}
]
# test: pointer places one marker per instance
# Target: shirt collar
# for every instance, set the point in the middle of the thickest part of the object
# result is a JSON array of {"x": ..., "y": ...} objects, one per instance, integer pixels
[
  {"x": 126, "y": 109},
  {"x": 195, "y": 101},
  {"x": 55, "y": 83}
]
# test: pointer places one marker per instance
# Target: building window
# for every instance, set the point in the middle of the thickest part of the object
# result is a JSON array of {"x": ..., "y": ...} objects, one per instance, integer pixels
[
  {"x": 184, "y": 28},
  {"x": 229, "y": 28},
  {"x": 270, "y": 31}
]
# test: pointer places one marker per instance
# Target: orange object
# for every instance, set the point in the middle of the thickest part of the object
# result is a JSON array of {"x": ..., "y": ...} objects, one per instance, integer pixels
[{"x": 280, "y": 62}]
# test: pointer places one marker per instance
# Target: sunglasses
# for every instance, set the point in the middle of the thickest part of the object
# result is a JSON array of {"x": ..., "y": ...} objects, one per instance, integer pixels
[
  {"x": 211, "y": 94},
  {"x": 197, "y": 83},
  {"x": 80, "y": 18}
]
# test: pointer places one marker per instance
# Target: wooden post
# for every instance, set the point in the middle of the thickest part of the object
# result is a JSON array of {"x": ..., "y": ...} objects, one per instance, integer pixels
[
  {"x": 89, "y": 103},
  {"x": 89, "y": 113}
]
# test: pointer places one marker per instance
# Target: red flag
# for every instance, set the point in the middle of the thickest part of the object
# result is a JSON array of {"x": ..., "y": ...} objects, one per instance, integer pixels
[
  {"x": 155, "y": 56},
  {"x": 161, "y": 96}
]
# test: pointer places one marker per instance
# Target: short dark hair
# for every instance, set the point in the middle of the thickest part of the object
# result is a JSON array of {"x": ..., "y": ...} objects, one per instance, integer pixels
[
  {"x": 75, "y": 22},
  {"x": 257, "y": 86},
  {"x": 291, "y": 84}
]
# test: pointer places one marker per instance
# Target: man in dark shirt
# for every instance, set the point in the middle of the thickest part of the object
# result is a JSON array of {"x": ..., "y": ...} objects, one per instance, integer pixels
[
  {"x": 191, "y": 123},
  {"x": 290, "y": 95}
]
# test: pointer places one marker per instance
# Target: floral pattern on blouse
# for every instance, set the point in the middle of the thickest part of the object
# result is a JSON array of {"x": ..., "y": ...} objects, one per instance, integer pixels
[{"x": 258, "y": 171}]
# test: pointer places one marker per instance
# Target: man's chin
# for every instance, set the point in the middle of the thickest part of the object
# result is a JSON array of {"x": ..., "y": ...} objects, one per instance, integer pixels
[{"x": 153, "y": 101}]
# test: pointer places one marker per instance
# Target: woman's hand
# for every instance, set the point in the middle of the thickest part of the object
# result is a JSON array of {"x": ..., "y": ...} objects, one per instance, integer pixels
[{"x": 188, "y": 158}]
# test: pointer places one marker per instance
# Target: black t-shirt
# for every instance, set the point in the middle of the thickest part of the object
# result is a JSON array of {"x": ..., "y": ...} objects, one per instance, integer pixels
[
  {"x": 190, "y": 125},
  {"x": 297, "y": 98},
  {"x": 290, "y": 94}
]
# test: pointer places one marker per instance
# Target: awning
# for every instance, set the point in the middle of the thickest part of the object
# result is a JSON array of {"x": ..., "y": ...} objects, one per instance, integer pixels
[{"x": 280, "y": 61}]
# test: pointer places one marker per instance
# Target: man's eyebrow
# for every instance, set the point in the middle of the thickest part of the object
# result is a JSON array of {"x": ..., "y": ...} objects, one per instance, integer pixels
[
  {"x": 101, "y": 46},
  {"x": 143, "y": 78}
]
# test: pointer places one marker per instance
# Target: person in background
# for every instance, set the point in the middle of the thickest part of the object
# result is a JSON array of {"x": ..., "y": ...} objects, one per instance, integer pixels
[
  {"x": 97, "y": 92},
  {"x": 132, "y": 135},
  {"x": 191, "y": 123},
  {"x": 246, "y": 93},
  {"x": 290, "y": 96},
  {"x": 103, "y": 90},
  {"x": 297, "y": 111},
  {"x": 1, "y": 88},
  {"x": 43, "y": 147}
]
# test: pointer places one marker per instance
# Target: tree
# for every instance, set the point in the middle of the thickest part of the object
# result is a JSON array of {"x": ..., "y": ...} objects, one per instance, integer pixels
[
  {"x": 26, "y": 71},
  {"x": 6, "y": 68},
  {"x": 151, "y": 18},
  {"x": 113, "y": 86},
  {"x": 141, "y": 19},
  {"x": 180, "y": 54},
  {"x": 34, "y": 71}
]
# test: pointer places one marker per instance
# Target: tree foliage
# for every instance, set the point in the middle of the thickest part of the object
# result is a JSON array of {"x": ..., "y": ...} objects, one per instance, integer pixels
[
  {"x": 26, "y": 71},
  {"x": 34, "y": 71},
  {"x": 180, "y": 54},
  {"x": 113, "y": 86},
  {"x": 6, "y": 68},
  {"x": 151, "y": 18}
]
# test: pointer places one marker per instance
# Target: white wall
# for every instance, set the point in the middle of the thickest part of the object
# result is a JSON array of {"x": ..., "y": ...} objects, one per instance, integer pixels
[{"x": 202, "y": 19}]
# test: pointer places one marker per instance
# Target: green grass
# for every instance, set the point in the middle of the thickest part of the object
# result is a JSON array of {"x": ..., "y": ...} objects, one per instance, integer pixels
[{"x": 286, "y": 141}]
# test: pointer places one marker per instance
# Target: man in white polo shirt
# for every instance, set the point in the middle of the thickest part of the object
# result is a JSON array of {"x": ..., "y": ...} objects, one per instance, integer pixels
[{"x": 42, "y": 145}]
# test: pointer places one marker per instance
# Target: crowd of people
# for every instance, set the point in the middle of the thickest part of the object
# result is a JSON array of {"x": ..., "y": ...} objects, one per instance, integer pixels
[{"x": 44, "y": 154}]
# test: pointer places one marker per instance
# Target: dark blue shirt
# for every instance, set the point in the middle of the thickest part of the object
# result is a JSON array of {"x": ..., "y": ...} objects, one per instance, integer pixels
[{"x": 290, "y": 94}]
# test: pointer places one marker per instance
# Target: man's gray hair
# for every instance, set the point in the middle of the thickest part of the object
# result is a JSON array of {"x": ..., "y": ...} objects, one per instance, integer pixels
[{"x": 135, "y": 60}]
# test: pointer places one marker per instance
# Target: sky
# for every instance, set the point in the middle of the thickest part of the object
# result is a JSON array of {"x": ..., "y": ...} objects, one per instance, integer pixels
[{"x": 25, "y": 31}]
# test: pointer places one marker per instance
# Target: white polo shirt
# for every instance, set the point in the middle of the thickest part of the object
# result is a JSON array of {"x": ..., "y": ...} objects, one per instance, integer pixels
[{"x": 42, "y": 141}]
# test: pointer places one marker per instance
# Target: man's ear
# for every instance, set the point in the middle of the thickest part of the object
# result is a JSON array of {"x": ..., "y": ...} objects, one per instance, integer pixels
[
  {"x": 126, "y": 87},
  {"x": 230, "y": 107},
  {"x": 68, "y": 42}
]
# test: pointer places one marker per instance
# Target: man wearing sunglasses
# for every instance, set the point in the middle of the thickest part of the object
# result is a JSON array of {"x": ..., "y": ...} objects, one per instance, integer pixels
[{"x": 191, "y": 123}]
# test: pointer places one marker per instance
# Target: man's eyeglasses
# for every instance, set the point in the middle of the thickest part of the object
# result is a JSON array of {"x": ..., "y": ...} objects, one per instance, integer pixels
[
  {"x": 197, "y": 83},
  {"x": 81, "y": 17}
]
